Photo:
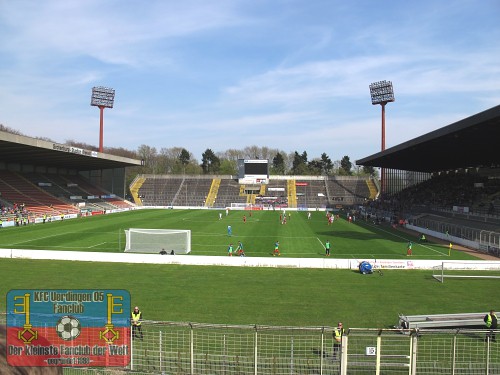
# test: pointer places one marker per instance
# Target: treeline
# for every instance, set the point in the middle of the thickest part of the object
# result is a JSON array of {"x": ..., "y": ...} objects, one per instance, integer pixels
[{"x": 178, "y": 160}]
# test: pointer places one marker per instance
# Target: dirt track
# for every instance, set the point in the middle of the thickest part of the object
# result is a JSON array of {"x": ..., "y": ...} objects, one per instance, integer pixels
[{"x": 456, "y": 247}]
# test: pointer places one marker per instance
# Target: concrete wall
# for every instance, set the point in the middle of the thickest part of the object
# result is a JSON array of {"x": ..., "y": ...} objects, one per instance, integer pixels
[{"x": 235, "y": 261}]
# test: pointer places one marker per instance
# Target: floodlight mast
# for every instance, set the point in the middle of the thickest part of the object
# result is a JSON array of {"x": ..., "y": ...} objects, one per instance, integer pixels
[
  {"x": 382, "y": 93},
  {"x": 102, "y": 97}
]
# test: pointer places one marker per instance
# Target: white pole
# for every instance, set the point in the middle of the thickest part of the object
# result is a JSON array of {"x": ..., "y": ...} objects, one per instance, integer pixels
[
  {"x": 224, "y": 351},
  {"x": 488, "y": 355},
  {"x": 413, "y": 354},
  {"x": 379, "y": 342},
  {"x": 160, "y": 348},
  {"x": 454, "y": 354},
  {"x": 255, "y": 352},
  {"x": 131, "y": 350},
  {"x": 344, "y": 351},
  {"x": 322, "y": 351},
  {"x": 191, "y": 349}
]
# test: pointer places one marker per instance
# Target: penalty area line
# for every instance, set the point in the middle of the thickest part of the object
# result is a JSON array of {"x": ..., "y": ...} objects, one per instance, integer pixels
[
  {"x": 99, "y": 244},
  {"x": 321, "y": 243}
]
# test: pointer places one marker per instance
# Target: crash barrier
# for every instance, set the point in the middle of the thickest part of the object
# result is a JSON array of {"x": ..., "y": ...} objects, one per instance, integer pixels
[{"x": 465, "y": 320}]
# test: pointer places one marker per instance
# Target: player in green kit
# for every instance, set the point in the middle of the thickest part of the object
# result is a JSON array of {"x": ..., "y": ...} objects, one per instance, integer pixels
[
  {"x": 276, "y": 249},
  {"x": 239, "y": 250}
]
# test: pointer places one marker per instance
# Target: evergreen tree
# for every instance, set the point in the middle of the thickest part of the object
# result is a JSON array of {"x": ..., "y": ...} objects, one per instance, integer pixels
[
  {"x": 346, "y": 165},
  {"x": 299, "y": 164},
  {"x": 210, "y": 163},
  {"x": 278, "y": 164},
  {"x": 327, "y": 164}
]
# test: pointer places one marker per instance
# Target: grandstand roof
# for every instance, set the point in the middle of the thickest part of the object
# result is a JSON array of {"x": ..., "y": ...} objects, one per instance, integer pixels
[
  {"x": 471, "y": 142},
  {"x": 19, "y": 149}
]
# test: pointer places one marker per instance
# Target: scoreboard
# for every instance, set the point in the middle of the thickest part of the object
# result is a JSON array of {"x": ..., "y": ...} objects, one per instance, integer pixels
[{"x": 253, "y": 171}]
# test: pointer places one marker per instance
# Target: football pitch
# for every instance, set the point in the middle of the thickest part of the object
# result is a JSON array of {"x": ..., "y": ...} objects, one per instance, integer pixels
[
  {"x": 300, "y": 237},
  {"x": 247, "y": 295}
]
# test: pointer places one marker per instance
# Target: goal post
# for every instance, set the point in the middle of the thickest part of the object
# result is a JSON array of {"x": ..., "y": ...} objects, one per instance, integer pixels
[
  {"x": 154, "y": 241},
  {"x": 463, "y": 269}
]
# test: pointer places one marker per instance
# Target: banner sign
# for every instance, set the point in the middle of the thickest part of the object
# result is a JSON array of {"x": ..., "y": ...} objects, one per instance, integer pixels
[{"x": 75, "y": 328}]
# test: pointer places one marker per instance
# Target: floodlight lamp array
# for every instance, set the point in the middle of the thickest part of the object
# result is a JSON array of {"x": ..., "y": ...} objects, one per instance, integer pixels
[
  {"x": 102, "y": 97},
  {"x": 382, "y": 92}
]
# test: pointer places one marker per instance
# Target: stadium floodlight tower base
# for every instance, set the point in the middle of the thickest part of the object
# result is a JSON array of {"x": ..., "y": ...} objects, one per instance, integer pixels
[
  {"x": 158, "y": 241},
  {"x": 447, "y": 267}
]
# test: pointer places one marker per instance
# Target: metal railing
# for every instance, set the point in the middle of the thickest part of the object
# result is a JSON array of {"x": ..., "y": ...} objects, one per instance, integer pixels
[
  {"x": 192, "y": 348},
  {"x": 187, "y": 348}
]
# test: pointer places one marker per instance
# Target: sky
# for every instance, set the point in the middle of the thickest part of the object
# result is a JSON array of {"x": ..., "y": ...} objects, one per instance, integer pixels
[{"x": 292, "y": 75}]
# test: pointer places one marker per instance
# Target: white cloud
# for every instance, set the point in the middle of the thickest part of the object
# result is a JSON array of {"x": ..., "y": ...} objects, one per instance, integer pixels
[{"x": 287, "y": 74}]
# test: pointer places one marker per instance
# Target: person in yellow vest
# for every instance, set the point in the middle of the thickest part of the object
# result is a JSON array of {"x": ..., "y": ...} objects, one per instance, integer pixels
[
  {"x": 136, "y": 321},
  {"x": 338, "y": 332},
  {"x": 491, "y": 322}
]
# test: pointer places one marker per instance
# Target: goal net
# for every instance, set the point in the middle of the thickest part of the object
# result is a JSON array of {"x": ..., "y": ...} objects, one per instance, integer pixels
[
  {"x": 473, "y": 270},
  {"x": 155, "y": 241}
]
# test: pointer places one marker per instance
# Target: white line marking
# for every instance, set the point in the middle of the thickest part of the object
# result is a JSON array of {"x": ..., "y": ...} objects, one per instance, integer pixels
[
  {"x": 99, "y": 244},
  {"x": 405, "y": 238},
  {"x": 321, "y": 243}
]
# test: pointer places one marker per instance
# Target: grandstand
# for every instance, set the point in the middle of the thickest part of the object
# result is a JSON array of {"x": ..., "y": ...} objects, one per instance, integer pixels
[
  {"x": 22, "y": 193},
  {"x": 311, "y": 193},
  {"x": 275, "y": 193},
  {"x": 224, "y": 191},
  {"x": 452, "y": 189},
  {"x": 45, "y": 179},
  {"x": 228, "y": 192},
  {"x": 157, "y": 191}
]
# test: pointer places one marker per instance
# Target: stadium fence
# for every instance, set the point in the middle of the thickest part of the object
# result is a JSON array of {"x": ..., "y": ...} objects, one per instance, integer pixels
[
  {"x": 194, "y": 348},
  {"x": 186, "y": 348}
]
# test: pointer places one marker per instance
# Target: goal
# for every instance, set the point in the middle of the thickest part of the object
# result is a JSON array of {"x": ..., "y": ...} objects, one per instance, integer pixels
[
  {"x": 154, "y": 241},
  {"x": 473, "y": 270}
]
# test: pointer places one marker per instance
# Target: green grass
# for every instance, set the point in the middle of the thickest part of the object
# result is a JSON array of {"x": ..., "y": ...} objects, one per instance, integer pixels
[
  {"x": 268, "y": 296},
  {"x": 233, "y": 295},
  {"x": 298, "y": 238}
]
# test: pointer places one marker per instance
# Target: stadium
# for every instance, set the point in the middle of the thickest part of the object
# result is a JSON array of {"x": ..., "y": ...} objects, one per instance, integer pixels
[{"x": 66, "y": 224}]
